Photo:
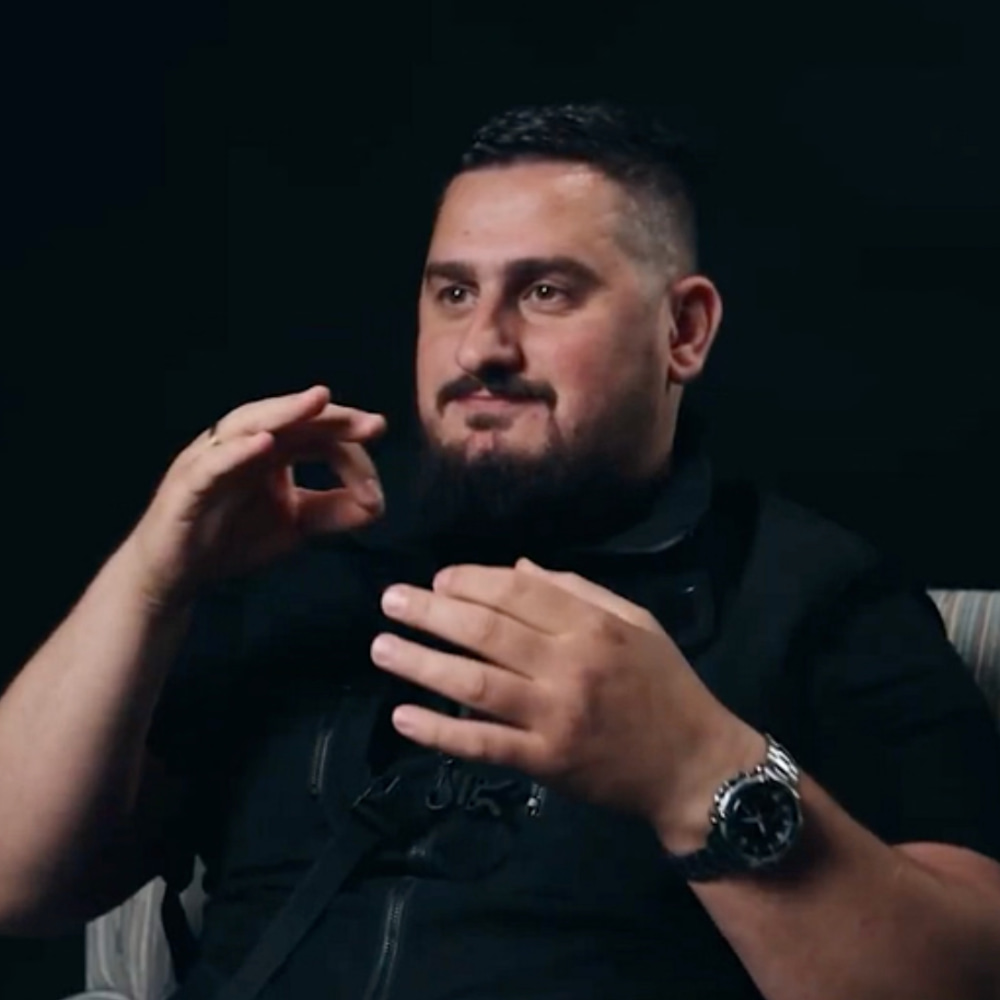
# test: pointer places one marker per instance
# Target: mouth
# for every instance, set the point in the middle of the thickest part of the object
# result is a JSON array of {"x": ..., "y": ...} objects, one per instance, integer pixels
[{"x": 487, "y": 401}]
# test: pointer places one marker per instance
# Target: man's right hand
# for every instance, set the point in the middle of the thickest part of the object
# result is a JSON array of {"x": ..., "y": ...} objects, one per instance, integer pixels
[{"x": 229, "y": 502}]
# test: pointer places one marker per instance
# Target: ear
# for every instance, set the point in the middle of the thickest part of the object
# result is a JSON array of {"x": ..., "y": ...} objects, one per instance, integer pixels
[{"x": 697, "y": 313}]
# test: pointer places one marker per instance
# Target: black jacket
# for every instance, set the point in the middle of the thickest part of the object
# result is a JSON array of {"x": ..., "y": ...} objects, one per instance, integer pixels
[{"x": 501, "y": 888}]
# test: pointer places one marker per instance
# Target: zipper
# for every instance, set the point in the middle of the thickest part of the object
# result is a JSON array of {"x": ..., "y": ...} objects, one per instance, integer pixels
[
  {"x": 536, "y": 800},
  {"x": 327, "y": 728},
  {"x": 442, "y": 794},
  {"x": 317, "y": 769},
  {"x": 385, "y": 964}
]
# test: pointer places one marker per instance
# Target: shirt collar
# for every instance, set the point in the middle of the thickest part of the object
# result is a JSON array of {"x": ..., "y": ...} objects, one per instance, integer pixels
[{"x": 677, "y": 508}]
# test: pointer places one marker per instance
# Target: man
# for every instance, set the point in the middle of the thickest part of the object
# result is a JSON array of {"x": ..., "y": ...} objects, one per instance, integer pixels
[{"x": 570, "y": 720}]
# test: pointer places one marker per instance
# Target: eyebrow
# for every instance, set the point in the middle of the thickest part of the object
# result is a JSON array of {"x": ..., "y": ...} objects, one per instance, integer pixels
[{"x": 520, "y": 271}]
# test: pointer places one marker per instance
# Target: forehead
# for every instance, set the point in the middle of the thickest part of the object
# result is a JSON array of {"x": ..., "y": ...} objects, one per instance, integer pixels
[{"x": 528, "y": 210}]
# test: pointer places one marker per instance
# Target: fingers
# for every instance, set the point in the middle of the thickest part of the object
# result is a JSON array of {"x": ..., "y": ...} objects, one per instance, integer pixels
[
  {"x": 224, "y": 461},
  {"x": 306, "y": 426},
  {"x": 346, "y": 423},
  {"x": 283, "y": 412},
  {"x": 493, "y": 634},
  {"x": 319, "y": 440},
  {"x": 357, "y": 472},
  {"x": 588, "y": 591},
  {"x": 491, "y": 742},
  {"x": 490, "y": 690},
  {"x": 273, "y": 414},
  {"x": 315, "y": 441},
  {"x": 525, "y": 597},
  {"x": 323, "y": 511},
  {"x": 284, "y": 430}
]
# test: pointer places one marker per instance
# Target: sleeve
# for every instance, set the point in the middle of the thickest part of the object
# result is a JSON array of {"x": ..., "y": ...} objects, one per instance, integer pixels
[
  {"x": 194, "y": 720},
  {"x": 902, "y": 736},
  {"x": 197, "y": 727},
  {"x": 257, "y": 649}
]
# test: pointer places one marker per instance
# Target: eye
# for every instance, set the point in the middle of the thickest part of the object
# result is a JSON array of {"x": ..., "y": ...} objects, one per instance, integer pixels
[
  {"x": 544, "y": 291},
  {"x": 453, "y": 295}
]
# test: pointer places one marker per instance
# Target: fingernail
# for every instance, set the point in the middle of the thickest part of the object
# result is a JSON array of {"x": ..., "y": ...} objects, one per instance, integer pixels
[
  {"x": 403, "y": 721},
  {"x": 371, "y": 491},
  {"x": 382, "y": 648},
  {"x": 393, "y": 601}
]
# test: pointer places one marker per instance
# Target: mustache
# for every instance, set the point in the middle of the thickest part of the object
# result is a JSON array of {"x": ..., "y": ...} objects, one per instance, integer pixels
[{"x": 505, "y": 386}]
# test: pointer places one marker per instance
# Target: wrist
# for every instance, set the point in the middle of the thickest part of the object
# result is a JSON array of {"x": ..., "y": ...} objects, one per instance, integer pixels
[
  {"x": 140, "y": 585},
  {"x": 683, "y": 823}
]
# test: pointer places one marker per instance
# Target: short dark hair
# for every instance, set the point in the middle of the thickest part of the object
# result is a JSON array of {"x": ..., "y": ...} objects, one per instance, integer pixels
[{"x": 654, "y": 164}]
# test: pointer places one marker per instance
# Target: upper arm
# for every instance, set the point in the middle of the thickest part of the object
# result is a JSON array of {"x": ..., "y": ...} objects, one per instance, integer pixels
[
  {"x": 190, "y": 734},
  {"x": 957, "y": 863},
  {"x": 152, "y": 842},
  {"x": 127, "y": 858},
  {"x": 902, "y": 736}
]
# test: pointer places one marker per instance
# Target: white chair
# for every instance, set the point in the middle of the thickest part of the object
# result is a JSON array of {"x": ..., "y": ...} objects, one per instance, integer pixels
[{"x": 127, "y": 956}]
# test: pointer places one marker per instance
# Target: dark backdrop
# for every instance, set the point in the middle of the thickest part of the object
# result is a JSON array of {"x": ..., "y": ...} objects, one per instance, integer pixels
[{"x": 204, "y": 207}]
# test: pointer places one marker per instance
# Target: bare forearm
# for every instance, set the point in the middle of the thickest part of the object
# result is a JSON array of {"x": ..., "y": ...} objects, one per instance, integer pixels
[
  {"x": 850, "y": 918},
  {"x": 72, "y": 727}
]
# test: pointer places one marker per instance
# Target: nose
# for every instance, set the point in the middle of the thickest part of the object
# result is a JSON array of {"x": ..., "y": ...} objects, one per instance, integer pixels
[{"x": 491, "y": 340}]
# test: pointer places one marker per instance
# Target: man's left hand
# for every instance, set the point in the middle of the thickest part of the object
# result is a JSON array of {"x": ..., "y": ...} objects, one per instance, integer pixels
[{"x": 581, "y": 689}]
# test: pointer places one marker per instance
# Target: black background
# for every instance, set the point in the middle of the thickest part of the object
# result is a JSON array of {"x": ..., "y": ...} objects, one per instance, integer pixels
[{"x": 204, "y": 206}]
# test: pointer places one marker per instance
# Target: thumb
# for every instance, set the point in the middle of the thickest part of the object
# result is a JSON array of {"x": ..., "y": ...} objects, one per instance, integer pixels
[{"x": 323, "y": 512}]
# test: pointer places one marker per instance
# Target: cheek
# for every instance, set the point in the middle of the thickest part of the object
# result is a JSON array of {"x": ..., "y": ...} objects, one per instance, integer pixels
[
  {"x": 430, "y": 369},
  {"x": 585, "y": 375},
  {"x": 594, "y": 383},
  {"x": 588, "y": 371}
]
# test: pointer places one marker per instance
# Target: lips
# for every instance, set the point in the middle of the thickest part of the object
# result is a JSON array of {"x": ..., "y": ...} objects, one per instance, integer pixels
[{"x": 489, "y": 398}]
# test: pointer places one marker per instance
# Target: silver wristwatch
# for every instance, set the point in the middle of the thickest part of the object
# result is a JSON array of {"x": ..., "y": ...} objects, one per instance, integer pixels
[{"x": 755, "y": 820}]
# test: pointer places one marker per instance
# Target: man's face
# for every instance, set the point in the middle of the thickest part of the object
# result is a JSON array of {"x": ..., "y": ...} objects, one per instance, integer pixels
[{"x": 541, "y": 332}]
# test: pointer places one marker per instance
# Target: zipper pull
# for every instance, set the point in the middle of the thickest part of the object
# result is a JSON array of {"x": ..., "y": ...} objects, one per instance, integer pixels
[
  {"x": 536, "y": 800},
  {"x": 443, "y": 793}
]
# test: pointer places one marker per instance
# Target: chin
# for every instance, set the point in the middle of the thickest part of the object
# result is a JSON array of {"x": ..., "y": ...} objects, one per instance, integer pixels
[{"x": 500, "y": 441}]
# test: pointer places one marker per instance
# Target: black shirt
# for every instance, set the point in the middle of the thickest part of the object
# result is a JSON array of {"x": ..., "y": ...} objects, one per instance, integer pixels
[{"x": 795, "y": 624}]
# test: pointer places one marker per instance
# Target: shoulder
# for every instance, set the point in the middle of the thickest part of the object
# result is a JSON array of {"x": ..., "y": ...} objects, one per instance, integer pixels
[
  {"x": 791, "y": 550},
  {"x": 870, "y": 615},
  {"x": 829, "y": 587},
  {"x": 785, "y": 526}
]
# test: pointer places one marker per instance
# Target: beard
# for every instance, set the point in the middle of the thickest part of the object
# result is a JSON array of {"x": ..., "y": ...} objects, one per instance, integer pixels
[{"x": 499, "y": 504}]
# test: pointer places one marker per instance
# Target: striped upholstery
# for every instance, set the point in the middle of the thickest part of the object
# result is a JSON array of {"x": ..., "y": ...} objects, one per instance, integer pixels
[
  {"x": 972, "y": 618},
  {"x": 127, "y": 955}
]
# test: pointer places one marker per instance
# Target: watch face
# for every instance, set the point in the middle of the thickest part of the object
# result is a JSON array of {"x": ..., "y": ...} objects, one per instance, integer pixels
[{"x": 761, "y": 819}]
